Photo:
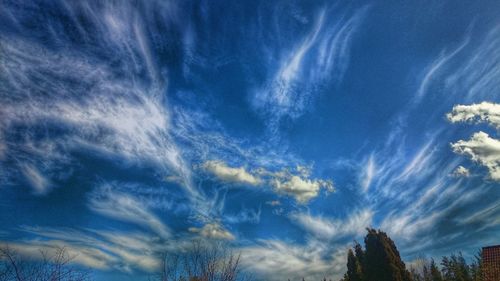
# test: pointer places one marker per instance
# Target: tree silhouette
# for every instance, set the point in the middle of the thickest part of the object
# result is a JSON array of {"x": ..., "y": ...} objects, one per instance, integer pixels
[
  {"x": 435, "y": 273},
  {"x": 382, "y": 260},
  {"x": 202, "y": 261},
  {"x": 354, "y": 270},
  {"x": 54, "y": 266}
]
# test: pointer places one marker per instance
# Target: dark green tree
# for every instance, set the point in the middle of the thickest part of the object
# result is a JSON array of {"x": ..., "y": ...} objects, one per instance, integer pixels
[
  {"x": 382, "y": 261},
  {"x": 426, "y": 272},
  {"x": 415, "y": 275},
  {"x": 476, "y": 268},
  {"x": 435, "y": 273},
  {"x": 354, "y": 271},
  {"x": 455, "y": 268},
  {"x": 360, "y": 254}
]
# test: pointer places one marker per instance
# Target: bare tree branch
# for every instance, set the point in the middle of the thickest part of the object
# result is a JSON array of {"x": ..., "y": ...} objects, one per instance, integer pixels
[
  {"x": 202, "y": 261},
  {"x": 50, "y": 267}
]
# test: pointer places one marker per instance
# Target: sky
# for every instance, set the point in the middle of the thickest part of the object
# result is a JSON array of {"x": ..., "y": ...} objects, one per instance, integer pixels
[{"x": 284, "y": 128}]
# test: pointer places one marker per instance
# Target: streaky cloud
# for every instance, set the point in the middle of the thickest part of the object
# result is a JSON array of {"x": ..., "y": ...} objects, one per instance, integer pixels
[
  {"x": 39, "y": 183},
  {"x": 291, "y": 88},
  {"x": 275, "y": 258},
  {"x": 126, "y": 208},
  {"x": 433, "y": 70},
  {"x": 335, "y": 229},
  {"x": 368, "y": 173}
]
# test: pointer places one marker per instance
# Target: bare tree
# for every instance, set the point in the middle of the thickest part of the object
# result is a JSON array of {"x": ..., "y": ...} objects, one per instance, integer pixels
[
  {"x": 51, "y": 267},
  {"x": 202, "y": 261}
]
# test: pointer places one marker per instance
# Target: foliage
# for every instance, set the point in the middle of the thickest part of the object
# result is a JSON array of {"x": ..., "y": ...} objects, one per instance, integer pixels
[
  {"x": 380, "y": 261},
  {"x": 354, "y": 269}
]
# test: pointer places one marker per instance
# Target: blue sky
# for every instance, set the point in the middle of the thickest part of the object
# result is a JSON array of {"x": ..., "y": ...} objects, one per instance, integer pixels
[{"x": 286, "y": 128}]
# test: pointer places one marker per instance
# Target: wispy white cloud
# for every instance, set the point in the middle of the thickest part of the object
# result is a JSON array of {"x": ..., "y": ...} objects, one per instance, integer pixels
[
  {"x": 468, "y": 71},
  {"x": 39, "y": 183},
  {"x": 334, "y": 229},
  {"x": 434, "y": 207},
  {"x": 419, "y": 162},
  {"x": 432, "y": 71},
  {"x": 85, "y": 101},
  {"x": 398, "y": 165},
  {"x": 113, "y": 116},
  {"x": 368, "y": 173},
  {"x": 477, "y": 76},
  {"x": 83, "y": 255},
  {"x": 292, "y": 86},
  {"x": 482, "y": 149},
  {"x": 103, "y": 249},
  {"x": 110, "y": 249},
  {"x": 126, "y": 208},
  {"x": 244, "y": 216},
  {"x": 486, "y": 217},
  {"x": 275, "y": 259},
  {"x": 413, "y": 196}
]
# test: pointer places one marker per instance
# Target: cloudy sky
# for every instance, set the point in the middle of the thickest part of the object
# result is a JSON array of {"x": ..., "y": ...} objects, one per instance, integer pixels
[{"x": 129, "y": 128}]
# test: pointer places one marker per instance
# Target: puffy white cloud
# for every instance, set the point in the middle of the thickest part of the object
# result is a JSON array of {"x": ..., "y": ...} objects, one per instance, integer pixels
[
  {"x": 482, "y": 149},
  {"x": 230, "y": 174},
  {"x": 302, "y": 189},
  {"x": 461, "y": 171},
  {"x": 324, "y": 228},
  {"x": 482, "y": 112},
  {"x": 295, "y": 183},
  {"x": 213, "y": 230}
]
